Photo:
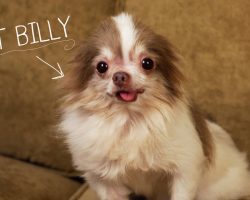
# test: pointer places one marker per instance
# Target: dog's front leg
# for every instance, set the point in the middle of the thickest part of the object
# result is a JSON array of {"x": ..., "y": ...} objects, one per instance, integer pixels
[
  {"x": 185, "y": 186},
  {"x": 107, "y": 190}
]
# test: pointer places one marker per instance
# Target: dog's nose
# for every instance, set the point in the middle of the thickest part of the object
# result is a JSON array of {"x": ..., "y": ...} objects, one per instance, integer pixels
[{"x": 120, "y": 79}]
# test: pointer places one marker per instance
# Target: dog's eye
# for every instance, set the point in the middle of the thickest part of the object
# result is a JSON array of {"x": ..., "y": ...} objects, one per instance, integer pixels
[
  {"x": 102, "y": 67},
  {"x": 147, "y": 64}
]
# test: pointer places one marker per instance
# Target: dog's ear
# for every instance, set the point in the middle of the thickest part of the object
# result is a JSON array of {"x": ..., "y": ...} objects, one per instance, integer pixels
[
  {"x": 167, "y": 64},
  {"x": 82, "y": 70},
  {"x": 166, "y": 58}
]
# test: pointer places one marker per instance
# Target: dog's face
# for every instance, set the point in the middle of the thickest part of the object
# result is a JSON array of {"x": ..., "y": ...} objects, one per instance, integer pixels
[{"x": 124, "y": 63}]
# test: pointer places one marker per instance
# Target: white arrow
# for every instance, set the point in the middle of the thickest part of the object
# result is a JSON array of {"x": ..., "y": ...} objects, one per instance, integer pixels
[{"x": 59, "y": 67}]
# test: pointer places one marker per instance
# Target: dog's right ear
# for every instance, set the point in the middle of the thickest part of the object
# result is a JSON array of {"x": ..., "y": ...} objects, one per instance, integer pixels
[{"x": 82, "y": 70}]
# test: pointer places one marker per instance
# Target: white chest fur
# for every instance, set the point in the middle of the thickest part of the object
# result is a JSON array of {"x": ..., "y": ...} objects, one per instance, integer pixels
[{"x": 109, "y": 144}]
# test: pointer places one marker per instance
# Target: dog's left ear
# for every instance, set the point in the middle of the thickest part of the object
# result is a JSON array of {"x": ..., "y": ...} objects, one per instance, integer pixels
[
  {"x": 166, "y": 59},
  {"x": 167, "y": 64}
]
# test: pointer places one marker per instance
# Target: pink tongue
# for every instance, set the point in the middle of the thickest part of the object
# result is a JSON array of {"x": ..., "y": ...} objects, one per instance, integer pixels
[{"x": 128, "y": 96}]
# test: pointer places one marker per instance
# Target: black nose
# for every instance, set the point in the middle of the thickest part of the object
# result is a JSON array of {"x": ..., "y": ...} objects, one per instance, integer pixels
[{"x": 121, "y": 78}]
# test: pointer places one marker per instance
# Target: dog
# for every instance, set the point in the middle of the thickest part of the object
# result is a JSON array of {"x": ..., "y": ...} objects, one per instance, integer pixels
[{"x": 132, "y": 128}]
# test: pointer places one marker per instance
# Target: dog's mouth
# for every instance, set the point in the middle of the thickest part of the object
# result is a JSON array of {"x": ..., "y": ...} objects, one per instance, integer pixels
[{"x": 128, "y": 95}]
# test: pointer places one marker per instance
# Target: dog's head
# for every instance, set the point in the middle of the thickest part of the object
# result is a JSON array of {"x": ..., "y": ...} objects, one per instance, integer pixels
[{"x": 124, "y": 63}]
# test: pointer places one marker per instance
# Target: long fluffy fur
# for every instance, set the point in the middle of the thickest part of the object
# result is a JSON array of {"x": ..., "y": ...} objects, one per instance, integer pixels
[{"x": 158, "y": 146}]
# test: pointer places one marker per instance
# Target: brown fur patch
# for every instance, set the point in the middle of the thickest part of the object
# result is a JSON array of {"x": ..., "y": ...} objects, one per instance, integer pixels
[
  {"x": 203, "y": 132},
  {"x": 82, "y": 71},
  {"x": 105, "y": 35},
  {"x": 166, "y": 59}
]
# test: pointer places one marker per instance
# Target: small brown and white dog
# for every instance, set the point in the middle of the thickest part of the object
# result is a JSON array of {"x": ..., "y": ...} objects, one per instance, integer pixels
[{"x": 131, "y": 127}]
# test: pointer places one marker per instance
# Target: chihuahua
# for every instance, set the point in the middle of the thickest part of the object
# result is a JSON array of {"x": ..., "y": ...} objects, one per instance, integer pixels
[{"x": 132, "y": 129}]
